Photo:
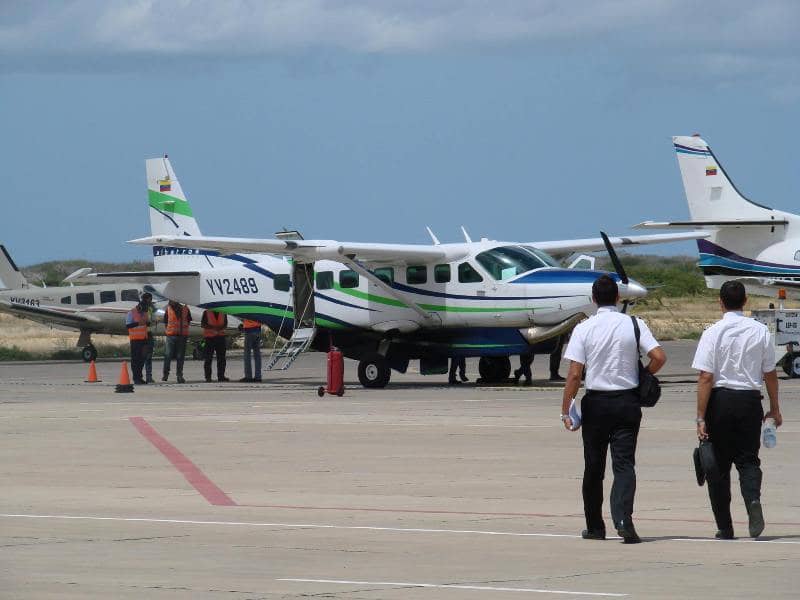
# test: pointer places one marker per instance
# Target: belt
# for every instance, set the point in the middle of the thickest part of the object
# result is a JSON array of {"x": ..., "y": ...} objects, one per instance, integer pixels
[
  {"x": 610, "y": 393},
  {"x": 730, "y": 392}
]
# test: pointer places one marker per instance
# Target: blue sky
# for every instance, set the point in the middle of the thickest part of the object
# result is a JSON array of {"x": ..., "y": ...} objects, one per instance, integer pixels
[{"x": 367, "y": 121}]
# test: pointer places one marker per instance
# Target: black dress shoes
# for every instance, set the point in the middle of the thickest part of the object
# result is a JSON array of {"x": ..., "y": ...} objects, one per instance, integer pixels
[
  {"x": 756, "y": 518},
  {"x": 725, "y": 534},
  {"x": 593, "y": 534},
  {"x": 627, "y": 532}
]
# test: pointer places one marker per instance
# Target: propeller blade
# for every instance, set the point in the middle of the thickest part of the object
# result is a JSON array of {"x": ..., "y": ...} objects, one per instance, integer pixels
[{"x": 612, "y": 254}]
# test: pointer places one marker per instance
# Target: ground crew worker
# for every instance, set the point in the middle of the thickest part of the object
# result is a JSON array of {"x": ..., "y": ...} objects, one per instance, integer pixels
[
  {"x": 137, "y": 323},
  {"x": 214, "y": 324},
  {"x": 555, "y": 359},
  {"x": 458, "y": 363},
  {"x": 606, "y": 345},
  {"x": 525, "y": 362},
  {"x": 252, "y": 347},
  {"x": 177, "y": 319},
  {"x": 147, "y": 300},
  {"x": 734, "y": 356}
]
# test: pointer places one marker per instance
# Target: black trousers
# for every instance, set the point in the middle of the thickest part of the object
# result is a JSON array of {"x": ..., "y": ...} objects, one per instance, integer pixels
[
  {"x": 138, "y": 351},
  {"x": 215, "y": 345},
  {"x": 609, "y": 419},
  {"x": 733, "y": 423},
  {"x": 525, "y": 362},
  {"x": 459, "y": 364}
]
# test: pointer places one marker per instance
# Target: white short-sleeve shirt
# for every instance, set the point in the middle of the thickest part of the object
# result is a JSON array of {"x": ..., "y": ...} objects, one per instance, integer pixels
[
  {"x": 606, "y": 344},
  {"x": 737, "y": 350}
]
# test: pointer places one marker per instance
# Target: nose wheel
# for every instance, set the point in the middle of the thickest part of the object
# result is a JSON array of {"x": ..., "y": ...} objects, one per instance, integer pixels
[
  {"x": 494, "y": 368},
  {"x": 374, "y": 372}
]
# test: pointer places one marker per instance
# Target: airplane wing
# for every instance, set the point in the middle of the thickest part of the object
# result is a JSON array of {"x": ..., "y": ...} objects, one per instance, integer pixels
[
  {"x": 701, "y": 224},
  {"x": 589, "y": 244},
  {"x": 309, "y": 250},
  {"x": 48, "y": 316},
  {"x": 138, "y": 276}
]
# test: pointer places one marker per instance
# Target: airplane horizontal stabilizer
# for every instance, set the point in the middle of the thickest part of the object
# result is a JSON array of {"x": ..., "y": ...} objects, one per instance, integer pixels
[
  {"x": 701, "y": 224},
  {"x": 590, "y": 244}
]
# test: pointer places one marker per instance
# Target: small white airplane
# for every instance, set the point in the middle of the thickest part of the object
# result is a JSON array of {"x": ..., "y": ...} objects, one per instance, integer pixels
[
  {"x": 381, "y": 304},
  {"x": 747, "y": 241},
  {"x": 88, "y": 308}
]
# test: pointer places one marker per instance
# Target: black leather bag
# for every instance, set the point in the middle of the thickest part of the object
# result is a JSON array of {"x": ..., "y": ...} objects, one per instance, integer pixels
[
  {"x": 649, "y": 386},
  {"x": 705, "y": 462}
]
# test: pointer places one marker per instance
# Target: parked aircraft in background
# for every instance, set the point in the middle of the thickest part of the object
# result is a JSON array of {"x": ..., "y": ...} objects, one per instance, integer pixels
[
  {"x": 381, "y": 304},
  {"x": 87, "y": 308},
  {"x": 746, "y": 241}
]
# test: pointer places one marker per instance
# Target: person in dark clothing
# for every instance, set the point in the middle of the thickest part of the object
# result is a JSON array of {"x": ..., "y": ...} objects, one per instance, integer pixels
[
  {"x": 137, "y": 322},
  {"x": 458, "y": 363},
  {"x": 214, "y": 324},
  {"x": 525, "y": 362},
  {"x": 555, "y": 359}
]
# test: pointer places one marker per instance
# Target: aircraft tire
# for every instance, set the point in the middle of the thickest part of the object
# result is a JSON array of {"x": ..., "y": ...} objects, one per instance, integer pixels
[
  {"x": 494, "y": 368},
  {"x": 89, "y": 353},
  {"x": 374, "y": 372},
  {"x": 791, "y": 365}
]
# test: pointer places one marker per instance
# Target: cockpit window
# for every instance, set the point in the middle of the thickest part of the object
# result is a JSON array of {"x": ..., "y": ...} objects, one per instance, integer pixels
[
  {"x": 543, "y": 256},
  {"x": 508, "y": 261}
]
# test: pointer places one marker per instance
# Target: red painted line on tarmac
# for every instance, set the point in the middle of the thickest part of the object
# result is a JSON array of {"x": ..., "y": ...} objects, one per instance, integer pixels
[
  {"x": 198, "y": 480},
  {"x": 481, "y": 514}
]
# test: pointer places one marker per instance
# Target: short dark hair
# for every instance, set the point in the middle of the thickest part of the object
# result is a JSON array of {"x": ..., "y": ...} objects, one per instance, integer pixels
[
  {"x": 733, "y": 295},
  {"x": 605, "y": 291}
]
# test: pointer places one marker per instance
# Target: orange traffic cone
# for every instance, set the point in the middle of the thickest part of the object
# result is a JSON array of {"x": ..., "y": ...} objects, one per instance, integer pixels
[
  {"x": 124, "y": 385},
  {"x": 92, "y": 374}
]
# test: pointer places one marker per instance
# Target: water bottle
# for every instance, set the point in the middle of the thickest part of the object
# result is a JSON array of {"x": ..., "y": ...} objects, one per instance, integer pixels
[{"x": 768, "y": 437}]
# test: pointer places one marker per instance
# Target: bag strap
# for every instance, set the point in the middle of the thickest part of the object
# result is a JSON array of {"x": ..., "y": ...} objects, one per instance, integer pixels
[{"x": 638, "y": 335}]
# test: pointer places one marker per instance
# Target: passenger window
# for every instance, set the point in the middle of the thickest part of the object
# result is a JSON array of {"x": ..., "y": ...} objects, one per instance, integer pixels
[
  {"x": 385, "y": 274},
  {"x": 325, "y": 280},
  {"x": 130, "y": 295},
  {"x": 797, "y": 256},
  {"x": 417, "y": 274},
  {"x": 85, "y": 298},
  {"x": 66, "y": 300},
  {"x": 348, "y": 279},
  {"x": 281, "y": 282},
  {"x": 108, "y": 296},
  {"x": 467, "y": 274},
  {"x": 441, "y": 273}
]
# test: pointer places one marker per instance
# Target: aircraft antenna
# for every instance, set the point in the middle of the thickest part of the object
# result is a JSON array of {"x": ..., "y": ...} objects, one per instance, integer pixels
[
  {"x": 433, "y": 236},
  {"x": 466, "y": 235}
]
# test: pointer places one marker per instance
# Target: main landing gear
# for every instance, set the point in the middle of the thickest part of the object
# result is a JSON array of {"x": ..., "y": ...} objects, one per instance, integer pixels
[
  {"x": 89, "y": 353},
  {"x": 374, "y": 371},
  {"x": 494, "y": 368}
]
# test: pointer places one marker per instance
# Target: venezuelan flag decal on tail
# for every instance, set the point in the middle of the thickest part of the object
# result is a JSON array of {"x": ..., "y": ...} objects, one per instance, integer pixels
[
  {"x": 164, "y": 185},
  {"x": 711, "y": 170}
]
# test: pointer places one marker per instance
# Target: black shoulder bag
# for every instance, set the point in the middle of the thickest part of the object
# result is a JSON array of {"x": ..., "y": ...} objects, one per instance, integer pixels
[{"x": 649, "y": 386}]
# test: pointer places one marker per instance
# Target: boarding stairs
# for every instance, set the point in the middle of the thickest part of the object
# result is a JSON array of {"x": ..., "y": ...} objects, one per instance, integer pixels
[
  {"x": 300, "y": 341},
  {"x": 304, "y": 327}
]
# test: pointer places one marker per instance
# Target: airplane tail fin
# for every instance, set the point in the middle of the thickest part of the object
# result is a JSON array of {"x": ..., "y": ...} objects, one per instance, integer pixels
[
  {"x": 170, "y": 214},
  {"x": 710, "y": 193},
  {"x": 10, "y": 276}
]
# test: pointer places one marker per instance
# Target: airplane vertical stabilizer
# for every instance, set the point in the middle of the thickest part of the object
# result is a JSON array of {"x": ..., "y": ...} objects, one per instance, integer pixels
[
  {"x": 10, "y": 276},
  {"x": 170, "y": 214}
]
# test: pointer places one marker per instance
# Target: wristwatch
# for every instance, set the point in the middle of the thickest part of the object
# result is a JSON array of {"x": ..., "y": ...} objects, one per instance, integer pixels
[
  {"x": 699, "y": 421},
  {"x": 564, "y": 418}
]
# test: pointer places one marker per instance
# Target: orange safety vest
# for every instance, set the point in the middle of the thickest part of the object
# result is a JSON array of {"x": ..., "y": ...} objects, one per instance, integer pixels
[
  {"x": 214, "y": 320},
  {"x": 177, "y": 325},
  {"x": 250, "y": 324},
  {"x": 139, "y": 332}
]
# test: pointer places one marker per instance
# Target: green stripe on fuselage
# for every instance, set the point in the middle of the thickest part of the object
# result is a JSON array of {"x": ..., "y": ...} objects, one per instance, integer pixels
[{"x": 168, "y": 204}]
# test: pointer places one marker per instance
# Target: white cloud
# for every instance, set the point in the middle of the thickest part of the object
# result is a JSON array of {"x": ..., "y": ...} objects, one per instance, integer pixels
[{"x": 710, "y": 35}]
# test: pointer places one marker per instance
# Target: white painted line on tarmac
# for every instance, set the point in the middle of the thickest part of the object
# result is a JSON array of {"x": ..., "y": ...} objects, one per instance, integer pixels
[
  {"x": 453, "y": 586},
  {"x": 366, "y": 528}
]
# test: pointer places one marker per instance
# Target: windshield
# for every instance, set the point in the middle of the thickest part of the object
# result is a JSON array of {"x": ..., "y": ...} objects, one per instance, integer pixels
[
  {"x": 508, "y": 261},
  {"x": 543, "y": 256}
]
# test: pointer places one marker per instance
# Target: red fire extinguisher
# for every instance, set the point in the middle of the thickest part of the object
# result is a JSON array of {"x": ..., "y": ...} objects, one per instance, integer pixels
[{"x": 335, "y": 374}]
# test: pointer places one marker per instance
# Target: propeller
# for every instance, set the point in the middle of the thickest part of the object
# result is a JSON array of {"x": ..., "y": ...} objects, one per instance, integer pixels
[{"x": 623, "y": 276}]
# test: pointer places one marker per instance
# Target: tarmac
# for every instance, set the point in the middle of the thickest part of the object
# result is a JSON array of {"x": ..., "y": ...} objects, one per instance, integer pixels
[{"x": 420, "y": 490}]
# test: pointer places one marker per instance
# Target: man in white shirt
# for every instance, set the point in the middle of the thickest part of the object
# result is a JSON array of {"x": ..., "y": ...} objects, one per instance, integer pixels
[
  {"x": 734, "y": 356},
  {"x": 605, "y": 344}
]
